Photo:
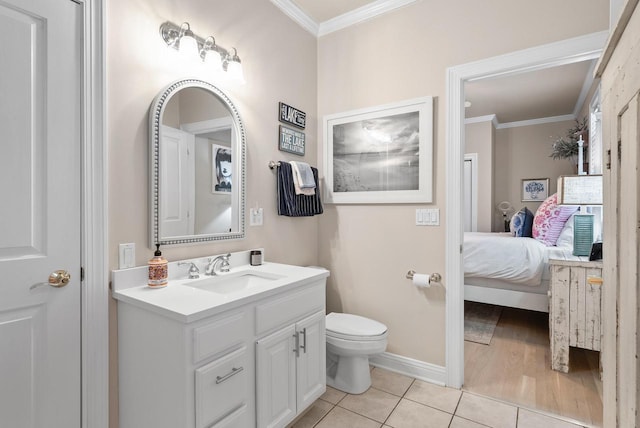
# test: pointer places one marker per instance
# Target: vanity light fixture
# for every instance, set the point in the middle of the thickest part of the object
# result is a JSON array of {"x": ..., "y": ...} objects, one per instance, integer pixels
[{"x": 217, "y": 58}]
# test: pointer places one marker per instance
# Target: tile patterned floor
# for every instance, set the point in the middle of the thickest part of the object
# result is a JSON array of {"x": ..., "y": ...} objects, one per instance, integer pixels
[{"x": 397, "y": 401}]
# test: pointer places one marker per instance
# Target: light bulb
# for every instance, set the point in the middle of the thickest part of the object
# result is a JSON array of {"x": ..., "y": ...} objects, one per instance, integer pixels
[
  {"x": 213, "y": 61},
  {"x": 188, "y": 46},
  {"x": 234, "y": 68}
]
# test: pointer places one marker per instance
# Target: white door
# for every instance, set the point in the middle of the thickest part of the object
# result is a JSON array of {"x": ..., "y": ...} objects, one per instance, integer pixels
[
  {"x": 276, "y": 378},
  {"x": 177, "y": 186},
  {"x": 40, "y": 80},
  {"x": 470, "y": 192},
  {"x": 311, "y": 369}
]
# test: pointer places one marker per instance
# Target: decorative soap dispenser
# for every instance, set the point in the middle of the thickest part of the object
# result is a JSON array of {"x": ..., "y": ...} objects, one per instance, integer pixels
[{"x": 158, "y": 270}]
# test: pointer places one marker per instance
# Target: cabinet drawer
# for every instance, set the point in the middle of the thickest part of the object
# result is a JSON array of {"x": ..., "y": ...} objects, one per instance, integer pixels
[
  {"x": 290, "y": 307},
  {"x": 219, "y": 335},
  {"x": 240, "y": 418},
  {"x": 222, "y": 387}
]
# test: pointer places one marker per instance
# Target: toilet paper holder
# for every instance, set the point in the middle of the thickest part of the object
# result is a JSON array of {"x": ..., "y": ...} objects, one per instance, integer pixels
[{"x": 434, "y": 277}]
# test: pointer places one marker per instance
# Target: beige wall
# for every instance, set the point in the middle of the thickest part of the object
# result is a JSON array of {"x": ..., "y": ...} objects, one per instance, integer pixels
[
  {"x": 398, "y": 56},
  {"x": 279, "y": 61},
  {"x": 479, "y": 138},
  {"x": 523, "y": 152}
]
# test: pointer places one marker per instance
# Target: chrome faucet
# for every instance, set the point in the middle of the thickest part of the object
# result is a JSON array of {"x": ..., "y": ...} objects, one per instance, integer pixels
[
  {"x": 194, "y": 272},
  {"x": 213, "y": 262}
]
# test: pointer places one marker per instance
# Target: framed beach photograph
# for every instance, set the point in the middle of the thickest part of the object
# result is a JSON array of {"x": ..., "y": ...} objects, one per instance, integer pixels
[
  {"x": 380, "y": 155},
  {"x": 222, "y": 169},
  {"x": 535, "y": 189}
]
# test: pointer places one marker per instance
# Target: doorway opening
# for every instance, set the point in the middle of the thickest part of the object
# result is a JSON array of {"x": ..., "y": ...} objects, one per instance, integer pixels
[{"x": 540, "y": 58}]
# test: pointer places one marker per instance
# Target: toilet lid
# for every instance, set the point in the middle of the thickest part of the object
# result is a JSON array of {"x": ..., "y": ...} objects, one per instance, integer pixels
[{"x": 348, "y": 325}]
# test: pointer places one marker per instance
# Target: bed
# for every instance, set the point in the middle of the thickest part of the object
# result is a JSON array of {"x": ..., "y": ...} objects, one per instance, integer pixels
[{"x": 508, "y": 271}]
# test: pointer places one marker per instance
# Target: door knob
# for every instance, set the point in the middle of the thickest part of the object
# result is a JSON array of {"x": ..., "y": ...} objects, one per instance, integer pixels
[{"x": 59, "y": 278}]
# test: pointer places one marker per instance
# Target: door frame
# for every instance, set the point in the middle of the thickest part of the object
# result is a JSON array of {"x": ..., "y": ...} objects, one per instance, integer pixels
[
  {"x": 563, "y": 52},
  {"x": 95, "y": 285}
]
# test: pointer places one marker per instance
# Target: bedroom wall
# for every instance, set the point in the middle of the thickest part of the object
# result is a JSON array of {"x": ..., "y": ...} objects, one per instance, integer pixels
[
  {"x": 402, "y": 55},
  {"x": 279, "y": 61},
  {"x": 479, "y": 138},
  {"x": 523, "y": 152}
]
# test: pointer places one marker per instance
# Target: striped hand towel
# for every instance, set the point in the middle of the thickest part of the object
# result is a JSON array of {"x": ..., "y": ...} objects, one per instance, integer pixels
[{"x": 290, "y": 204}]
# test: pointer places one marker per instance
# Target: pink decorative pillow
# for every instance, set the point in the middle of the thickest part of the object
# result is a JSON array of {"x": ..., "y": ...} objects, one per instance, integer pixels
[{"x": 549, "y": 220}]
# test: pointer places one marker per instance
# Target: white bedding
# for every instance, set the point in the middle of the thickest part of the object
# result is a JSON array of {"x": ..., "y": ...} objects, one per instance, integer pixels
[{"x": 500, "y": 256}]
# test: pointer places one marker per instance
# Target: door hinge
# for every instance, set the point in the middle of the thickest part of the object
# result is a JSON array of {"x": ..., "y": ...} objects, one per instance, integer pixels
[
  {"x": 81, "y": 274},
  {"x": 609, "y": 159},
  {"x": 619, "y": 151}
]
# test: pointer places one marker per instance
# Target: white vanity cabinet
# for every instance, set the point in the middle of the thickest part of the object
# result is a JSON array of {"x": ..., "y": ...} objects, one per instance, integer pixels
[
  {"x": 173, "y": 374},
  {"x": 254, "y": 361}
]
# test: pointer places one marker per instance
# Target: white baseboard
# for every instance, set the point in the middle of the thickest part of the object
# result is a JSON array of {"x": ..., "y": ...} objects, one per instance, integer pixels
[{"x": 410, "y": 367}]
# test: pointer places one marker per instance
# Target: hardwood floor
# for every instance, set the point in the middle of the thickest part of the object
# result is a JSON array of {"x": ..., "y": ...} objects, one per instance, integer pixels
[{"x": 516, "y": 368}]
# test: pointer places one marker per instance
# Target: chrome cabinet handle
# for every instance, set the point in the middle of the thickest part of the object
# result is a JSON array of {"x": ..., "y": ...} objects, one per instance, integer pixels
[
  {"x": 234, "y": 371},
  {"x": 296, "y": 349},
  {"x": 304, "y": 335}
]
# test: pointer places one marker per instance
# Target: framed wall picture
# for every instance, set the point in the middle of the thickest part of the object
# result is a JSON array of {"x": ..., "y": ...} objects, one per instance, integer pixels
[
  {"x": 380, "y": 154},
  {"x": 535, "y": 189},
  {"x": 222, "y": 169}
]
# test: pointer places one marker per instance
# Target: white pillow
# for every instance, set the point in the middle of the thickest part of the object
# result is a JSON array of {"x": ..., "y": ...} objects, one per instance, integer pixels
[{"x": 566, "y": 235}]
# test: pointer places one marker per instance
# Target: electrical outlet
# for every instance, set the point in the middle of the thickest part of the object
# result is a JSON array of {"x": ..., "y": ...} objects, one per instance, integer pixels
[{"x": 127, "y": 256}]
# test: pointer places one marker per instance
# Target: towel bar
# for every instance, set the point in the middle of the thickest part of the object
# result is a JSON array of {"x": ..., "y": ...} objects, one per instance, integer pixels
[
  {"x": 273, "y": 164},
  {"x": 434, "y": 277}
]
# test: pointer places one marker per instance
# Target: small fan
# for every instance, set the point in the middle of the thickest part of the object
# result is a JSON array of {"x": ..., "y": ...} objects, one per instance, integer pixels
[{"x": 505, "y": 208}]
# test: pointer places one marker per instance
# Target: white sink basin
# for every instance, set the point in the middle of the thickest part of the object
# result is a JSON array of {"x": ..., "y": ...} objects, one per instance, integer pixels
[{"x": 234, "y": 282}]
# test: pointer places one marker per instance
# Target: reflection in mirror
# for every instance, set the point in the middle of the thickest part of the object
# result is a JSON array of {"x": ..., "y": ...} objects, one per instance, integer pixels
[{"x": 197, "y": 165}]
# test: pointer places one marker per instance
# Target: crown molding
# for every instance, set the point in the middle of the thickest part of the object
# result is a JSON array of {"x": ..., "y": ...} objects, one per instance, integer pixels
[
  {"x": 356, "y": 16},
  {"x": 295, "y": 13},
  {"x": 479, "y": 119},
  {"x": 361, "y": 14},
  {"x": 540, "y": 121}
]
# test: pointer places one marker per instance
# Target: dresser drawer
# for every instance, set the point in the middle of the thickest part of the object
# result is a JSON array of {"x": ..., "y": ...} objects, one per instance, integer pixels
[
  {"x": 219, "y": 335},
  {"x": 222, "y": 389},
  {"x": 291, "y": 306}
]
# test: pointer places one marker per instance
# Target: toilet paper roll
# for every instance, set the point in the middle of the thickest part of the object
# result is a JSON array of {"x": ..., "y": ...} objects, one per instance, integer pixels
[{"x": 421, "y": 280}]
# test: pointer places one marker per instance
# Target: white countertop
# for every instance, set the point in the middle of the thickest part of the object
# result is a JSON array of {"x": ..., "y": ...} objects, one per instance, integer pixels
[{"x": 187, "y": 303}]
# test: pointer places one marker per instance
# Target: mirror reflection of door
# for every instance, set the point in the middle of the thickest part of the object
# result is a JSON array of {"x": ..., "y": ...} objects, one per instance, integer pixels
[
  {"x": 177, "y": 196},
  {"x": 195, "y": 198}
]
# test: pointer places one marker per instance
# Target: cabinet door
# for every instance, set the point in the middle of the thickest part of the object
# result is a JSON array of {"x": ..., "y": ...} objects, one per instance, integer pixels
[
  {"x": 276, "y": 378},
  {"x": 311, "y": 366}
]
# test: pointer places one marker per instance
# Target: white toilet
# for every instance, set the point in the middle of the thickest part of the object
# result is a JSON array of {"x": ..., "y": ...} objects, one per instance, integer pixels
[{"x": 351, "y": 339}]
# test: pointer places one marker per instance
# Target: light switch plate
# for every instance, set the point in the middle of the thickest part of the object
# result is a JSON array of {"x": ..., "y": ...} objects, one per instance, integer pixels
[
  {"x": 127, "y": 256},
  {"x": 427, "y": 216},
  {"x": 255, "y": 217}
]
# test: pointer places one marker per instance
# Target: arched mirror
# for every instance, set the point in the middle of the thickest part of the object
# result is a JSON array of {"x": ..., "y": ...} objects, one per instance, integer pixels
[{"x": 197, "y": 156}]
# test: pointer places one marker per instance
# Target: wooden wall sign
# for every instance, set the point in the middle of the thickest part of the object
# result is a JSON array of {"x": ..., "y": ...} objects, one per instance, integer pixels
[
  {"x": 292, "y": 116},
  {"x": 291, "y": 141}
]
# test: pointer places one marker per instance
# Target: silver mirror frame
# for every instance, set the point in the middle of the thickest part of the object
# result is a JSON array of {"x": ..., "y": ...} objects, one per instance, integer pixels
[{"x": 155, "y": 119}]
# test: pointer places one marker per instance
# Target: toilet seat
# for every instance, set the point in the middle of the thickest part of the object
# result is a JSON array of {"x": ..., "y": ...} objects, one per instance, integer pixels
[{"x": 354, "y": 327}]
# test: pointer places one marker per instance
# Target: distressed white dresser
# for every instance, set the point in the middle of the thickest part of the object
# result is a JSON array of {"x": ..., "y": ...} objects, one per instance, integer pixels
[{"x": 574, "y": 308}]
